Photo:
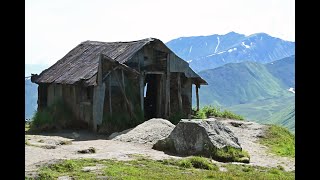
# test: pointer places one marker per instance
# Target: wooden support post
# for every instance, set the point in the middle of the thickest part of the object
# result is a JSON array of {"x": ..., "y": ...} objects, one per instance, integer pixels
[
  {"x": 179, "y": 92},
  {"x": 110, "y": 103},
  {"x": 167, "y": 103},
  {"x": 159, "y": 99},
  {"x": 124, "y": 88},
  {"x": 142, "y": 91},
  {"x": 197, "y": 95}
]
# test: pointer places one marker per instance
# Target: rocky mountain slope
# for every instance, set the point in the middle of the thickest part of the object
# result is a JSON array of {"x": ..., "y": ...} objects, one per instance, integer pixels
[{"x": 208, "y": 52}]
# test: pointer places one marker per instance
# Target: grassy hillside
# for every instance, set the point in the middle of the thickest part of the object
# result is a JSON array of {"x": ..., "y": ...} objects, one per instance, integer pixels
[
  {"x": 258, "y": 92},
  {"x": 285, "y": 117},
  {"x": 284, "y": 70},
  {"x": 274, "y": 111},
  {"x": 239, "y": 83}
]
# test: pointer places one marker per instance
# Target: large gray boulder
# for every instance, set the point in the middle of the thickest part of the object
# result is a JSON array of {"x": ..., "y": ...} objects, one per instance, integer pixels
[{"x": 199, "y": 137}]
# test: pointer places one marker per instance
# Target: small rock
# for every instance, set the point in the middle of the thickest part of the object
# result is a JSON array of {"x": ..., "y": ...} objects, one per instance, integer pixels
[
  {"x": 49, "y": 146},
  {"x": 91, "y": 168},
  {"x": 236, "y": 124},
  {"x": 90, "y": 150},
  {"x": 65, "y": 178},
  {"x": 244, "y": 160}
]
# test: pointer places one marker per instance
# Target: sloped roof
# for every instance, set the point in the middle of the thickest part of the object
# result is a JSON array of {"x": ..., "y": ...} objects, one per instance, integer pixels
[{"x": 81, "y": 63}]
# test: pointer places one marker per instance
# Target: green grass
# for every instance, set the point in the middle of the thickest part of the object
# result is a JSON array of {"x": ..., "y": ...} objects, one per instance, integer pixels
[
  {"x": 58, "y": 114},
  {"x": 211, "y": 111},
  {"x": 187, "y": 168},
  {"x": 280, "y": 111},
  {"x": 280, "y": 141},
  {"x": 230, "y": 154},
  {"x": 26, "y": 127}
]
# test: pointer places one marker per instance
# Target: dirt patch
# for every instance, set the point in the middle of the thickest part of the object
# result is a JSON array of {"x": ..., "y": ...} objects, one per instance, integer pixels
[{"x": 248, "y": 134}]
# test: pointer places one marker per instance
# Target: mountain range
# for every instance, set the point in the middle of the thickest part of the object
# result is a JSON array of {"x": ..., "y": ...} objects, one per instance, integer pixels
[{"x": 208, "y": 52}]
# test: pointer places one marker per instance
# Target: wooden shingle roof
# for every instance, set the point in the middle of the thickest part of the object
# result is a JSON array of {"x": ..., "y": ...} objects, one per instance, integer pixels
[{"x": 81, "y": 63}]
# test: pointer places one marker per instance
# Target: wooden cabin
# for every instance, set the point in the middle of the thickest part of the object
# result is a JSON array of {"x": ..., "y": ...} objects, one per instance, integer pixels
[{"x": 96, "y": 79}]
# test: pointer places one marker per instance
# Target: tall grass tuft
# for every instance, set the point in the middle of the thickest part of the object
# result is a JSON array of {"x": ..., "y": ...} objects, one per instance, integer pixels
[
  {"x": 58, "y": 114},
  {"x": 211, "y": 111}
]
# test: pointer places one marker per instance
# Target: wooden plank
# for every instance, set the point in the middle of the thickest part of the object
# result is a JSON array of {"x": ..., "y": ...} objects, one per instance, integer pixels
[
  {"x": 159, "y": 99},
  {"x": 141, "y": 80},
  {"x": 110, "y": 103},
  {"x": 179, "y": 92},
  {"x": 167, "y": 103},
  {"x": 98, "y": 103},
  {"x": 124, "y": 88},
  {"x": 197, "y": 95},
  {"x": 154, "y": 72}
]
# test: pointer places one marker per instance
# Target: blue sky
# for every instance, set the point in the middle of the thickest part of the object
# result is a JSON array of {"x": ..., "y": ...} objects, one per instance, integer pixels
[{"x": 54, "y": 27}]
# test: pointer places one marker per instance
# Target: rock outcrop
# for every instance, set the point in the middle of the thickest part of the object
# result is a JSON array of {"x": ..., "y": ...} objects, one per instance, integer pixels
[
  {"x": 201, "y": 137},
  {"x": 148, "y": 132}
]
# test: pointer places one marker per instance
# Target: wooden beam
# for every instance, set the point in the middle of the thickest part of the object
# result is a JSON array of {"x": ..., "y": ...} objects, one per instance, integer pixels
[
  {"x": 110, "y": 103},
  {"x": 179, "y": 92},
  {"x": 197, "y": 95},
  {"x": 167, "y": 102},
  {"x": 159, "y": 99},
  {"x": 141, "y": 81},
  {"x": 97, "y": 106},
  {"x": 154, "y": 72},
  {"x": 109, "y": 72},
  {"x": 124, "y": 89}
]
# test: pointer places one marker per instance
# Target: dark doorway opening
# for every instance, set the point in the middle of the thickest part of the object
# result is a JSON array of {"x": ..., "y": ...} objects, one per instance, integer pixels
[{"x": 151, "y": 96}]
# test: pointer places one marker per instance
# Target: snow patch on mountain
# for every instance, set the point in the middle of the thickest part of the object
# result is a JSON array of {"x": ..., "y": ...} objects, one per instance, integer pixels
[
  {"x": 217, "y": 44},
  {"x": 246, "y": 46},
  {"x": 216, "y": 53},
  {"x": 230, "y": 50},
  {"x": 292, "y": 90}
]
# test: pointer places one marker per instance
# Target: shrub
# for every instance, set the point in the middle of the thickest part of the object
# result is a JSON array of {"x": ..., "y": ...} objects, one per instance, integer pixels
[
  {"x": 230, "y": 154},
  {"x": 65, "y": 166},
  {"x": 193, "y": 161},
  {"x": 58, "y": 114},
  {"x": 202, "y": 163},
  {"x": 211, "y": 111}
]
